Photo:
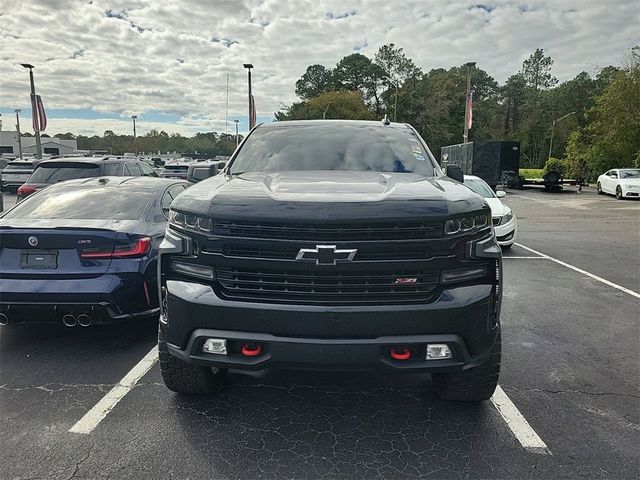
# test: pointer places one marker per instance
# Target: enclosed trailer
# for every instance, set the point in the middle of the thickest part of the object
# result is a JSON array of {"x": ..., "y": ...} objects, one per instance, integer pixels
[{"x": 493, "y": 161}]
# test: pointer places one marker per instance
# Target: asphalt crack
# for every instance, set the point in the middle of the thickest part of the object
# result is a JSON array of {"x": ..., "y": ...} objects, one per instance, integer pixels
[{"x": 571, "y": 391}]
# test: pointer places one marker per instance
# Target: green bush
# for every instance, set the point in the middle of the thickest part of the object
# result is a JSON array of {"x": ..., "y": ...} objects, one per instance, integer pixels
[
  {"x": 556, "y": 165},
  {"x": 532, "y": 172}
]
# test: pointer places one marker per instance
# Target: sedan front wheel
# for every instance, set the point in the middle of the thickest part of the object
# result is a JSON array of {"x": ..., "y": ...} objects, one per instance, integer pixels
[{"x": 619, "y": 193}]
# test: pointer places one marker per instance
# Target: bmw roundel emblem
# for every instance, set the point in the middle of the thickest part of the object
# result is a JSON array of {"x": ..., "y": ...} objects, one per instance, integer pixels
[{"x": 33, "y": 241}]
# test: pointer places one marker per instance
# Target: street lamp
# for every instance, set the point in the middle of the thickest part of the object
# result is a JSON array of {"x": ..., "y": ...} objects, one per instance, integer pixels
[
  {"x": 324, "y": 115},
  {"x": 135, "y": 139},
  {"x": 553, "y": 124},
  {"x": 17, "y": 110},
  {"x": 237, "y": 137},
  {"x": 249, "y": 66},
  {"x": 465, "y": 136},
  {"x": 395, "y": 107},
  {"x": 34, "y": 110}
]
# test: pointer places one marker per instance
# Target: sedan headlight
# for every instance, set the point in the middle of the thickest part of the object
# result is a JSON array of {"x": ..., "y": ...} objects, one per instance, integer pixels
[
  {"x": 470, "y": 223},
  {"x": 633, "y": 186},
  {"x": 193, "y": 223},
  {"x": 506, "y": 218}
]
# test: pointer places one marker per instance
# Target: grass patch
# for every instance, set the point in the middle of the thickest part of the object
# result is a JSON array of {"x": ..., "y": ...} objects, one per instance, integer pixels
[{"x": 532, "y": 172}]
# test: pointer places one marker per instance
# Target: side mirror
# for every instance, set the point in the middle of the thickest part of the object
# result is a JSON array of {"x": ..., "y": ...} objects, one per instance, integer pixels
[
  {"x": 501, "y": 194},
  {"x": 197, "y": 172},
  {"x": 455, "y": 172}
]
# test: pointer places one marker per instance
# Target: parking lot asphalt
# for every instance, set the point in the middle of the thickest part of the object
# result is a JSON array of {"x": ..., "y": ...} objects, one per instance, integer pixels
[{"x": 571, "y": 366}]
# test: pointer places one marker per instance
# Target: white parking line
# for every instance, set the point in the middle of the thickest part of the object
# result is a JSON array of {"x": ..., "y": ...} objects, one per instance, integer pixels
[
  {"x": 526, "y": 258},
  {"x": 521, "y": 429},
  {"x": 584, "y": 272},
  {"x": 100, "y": 410}
]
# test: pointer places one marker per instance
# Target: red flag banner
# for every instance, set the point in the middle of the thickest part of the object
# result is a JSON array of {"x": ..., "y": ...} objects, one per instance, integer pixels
[
  {"x": 470, "y": 109},
  {"x": 34, "y": 114},
  {"x": 38, "y": 114},
  {"x": 42, "y": 115},
  {"x": 252, "y": 114}
]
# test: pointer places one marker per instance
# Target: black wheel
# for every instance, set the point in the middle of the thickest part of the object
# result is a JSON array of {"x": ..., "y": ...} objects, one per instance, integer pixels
[
  {"x": 183, "y": 377},
  {"x": 506, "y": 247},
  {"x": 619, "y": 193},
  {"x": 474, "y": 385},
  {"x": 599, "y": 187}
]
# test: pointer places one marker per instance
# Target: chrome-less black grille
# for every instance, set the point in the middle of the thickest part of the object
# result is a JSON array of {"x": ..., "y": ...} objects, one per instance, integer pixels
[
  {"x": 377, "y": 252},
  {"x": 326, "y": 288},
  {"x": 496, "y": 221},
  {"x": 335, "y": 232}
]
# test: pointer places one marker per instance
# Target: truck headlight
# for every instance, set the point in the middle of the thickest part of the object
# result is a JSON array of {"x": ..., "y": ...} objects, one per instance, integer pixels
[
  {"x": 473, "y": 222},
  {"x": 193, "y": 223}
]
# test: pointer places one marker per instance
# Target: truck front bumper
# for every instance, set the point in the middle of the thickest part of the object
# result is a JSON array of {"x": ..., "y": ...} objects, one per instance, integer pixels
[{"x": 330, "y": 338}]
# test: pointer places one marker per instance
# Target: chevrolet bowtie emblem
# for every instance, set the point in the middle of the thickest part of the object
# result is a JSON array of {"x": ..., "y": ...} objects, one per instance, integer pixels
[{"x": 326, "y": 255}]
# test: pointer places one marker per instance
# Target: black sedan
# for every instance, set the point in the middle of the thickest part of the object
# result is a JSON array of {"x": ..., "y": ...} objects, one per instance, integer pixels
[{"x": 84, "y": 251}]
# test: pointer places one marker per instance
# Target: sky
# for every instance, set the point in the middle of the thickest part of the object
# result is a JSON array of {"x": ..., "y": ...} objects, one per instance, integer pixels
[{"x": 97, "y": 62}]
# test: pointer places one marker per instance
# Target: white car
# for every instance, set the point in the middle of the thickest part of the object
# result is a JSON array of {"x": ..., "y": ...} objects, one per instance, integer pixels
[
  {"x": 505, "y": 223},
  {"x": 621, "y": 182}
]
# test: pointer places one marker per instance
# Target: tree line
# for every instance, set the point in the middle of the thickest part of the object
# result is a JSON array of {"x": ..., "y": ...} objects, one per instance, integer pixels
[
  {"x": 602, "y": 129},
  {"x": 203, "y": 144}
]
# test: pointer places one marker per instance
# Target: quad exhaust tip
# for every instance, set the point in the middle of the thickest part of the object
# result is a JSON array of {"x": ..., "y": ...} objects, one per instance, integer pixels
[
  {"x": 84, "y": 320},
  {"x": 69, "y": 320},
  {"x": 4, "y": 319}
]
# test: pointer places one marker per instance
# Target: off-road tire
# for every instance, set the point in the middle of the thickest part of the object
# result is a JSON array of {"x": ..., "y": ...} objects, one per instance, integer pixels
[
  {"x": 186, "y": 378},
  {"x": 474, "y": 385}
]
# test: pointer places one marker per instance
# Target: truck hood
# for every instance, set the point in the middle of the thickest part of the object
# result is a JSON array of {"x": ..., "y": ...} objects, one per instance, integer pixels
[{"x": 328, "y": 195}]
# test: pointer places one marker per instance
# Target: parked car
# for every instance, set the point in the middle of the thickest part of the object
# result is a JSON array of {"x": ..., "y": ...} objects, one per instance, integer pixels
[
  {"x": 84, "y": 251},
  {"x": 17, "y": 172},
  {"x": 177, "y": 169},
  {"x": 504, "y": 220},
  {"x": 336, "y": 245},
  {"x": 49, "y": 172},
  {"x": 621, "y": 182}
]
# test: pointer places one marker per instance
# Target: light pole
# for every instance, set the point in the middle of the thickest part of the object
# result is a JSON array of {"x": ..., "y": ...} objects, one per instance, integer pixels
[
  {"x": 249, "y": 66},
  {"x": 18, "y": 131},
  {"x": 553, "y": 124},
  {"x": 135, "y": 138},
  {"x": 324, "y": 115},
  {"x": 395, "y": 107},
  {"x": 465, "y": 136},
  {"x": 34, "y": 110},
  {"x": 237, "y": 137}
]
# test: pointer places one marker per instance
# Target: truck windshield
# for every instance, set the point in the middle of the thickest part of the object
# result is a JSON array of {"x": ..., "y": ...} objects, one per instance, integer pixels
[{"x": 333, "y": 147}]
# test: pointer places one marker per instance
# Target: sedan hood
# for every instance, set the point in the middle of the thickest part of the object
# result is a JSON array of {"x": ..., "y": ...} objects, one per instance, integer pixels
[
  {"x": 498, "y": 209},
  {"x": 324, "y": 195}
]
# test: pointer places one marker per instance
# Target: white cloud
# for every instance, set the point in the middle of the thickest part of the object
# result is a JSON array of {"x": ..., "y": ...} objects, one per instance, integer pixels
[{"x": 136, "y": 56}]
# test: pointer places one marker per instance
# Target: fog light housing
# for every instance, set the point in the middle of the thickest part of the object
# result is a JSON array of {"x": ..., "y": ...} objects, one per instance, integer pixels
[
  {"x": 438, "y": 351},
  {"x": 215, "y": 345}
]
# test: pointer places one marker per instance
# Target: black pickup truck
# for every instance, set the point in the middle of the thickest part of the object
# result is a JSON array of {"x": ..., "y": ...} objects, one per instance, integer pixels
[{"x": 331, "y": 245}]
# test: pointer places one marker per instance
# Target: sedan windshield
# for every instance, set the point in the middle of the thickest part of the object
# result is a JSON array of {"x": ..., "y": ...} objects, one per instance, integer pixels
[
  {"x": 630, "y": 173},
  {"x": 333, "y": 147},
  {"x": 480, "y": 187}
]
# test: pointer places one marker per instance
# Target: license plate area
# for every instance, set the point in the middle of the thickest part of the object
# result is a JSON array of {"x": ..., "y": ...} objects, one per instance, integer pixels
[{"x": 40, "y": 259}]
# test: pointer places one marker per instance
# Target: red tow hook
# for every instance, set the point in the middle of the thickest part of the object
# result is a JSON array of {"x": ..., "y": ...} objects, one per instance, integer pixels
[
  {"x": 251, "y": 350},
  {"x": 400, "y": 353}
]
